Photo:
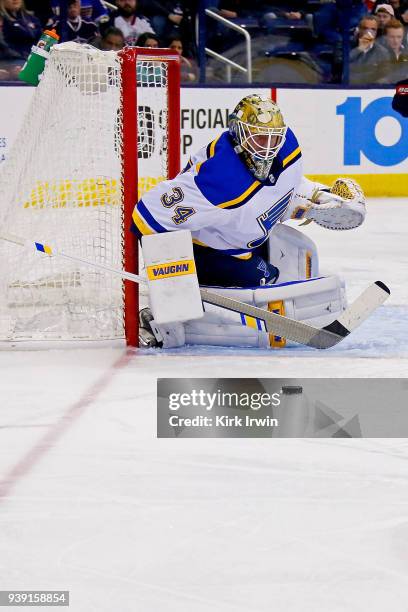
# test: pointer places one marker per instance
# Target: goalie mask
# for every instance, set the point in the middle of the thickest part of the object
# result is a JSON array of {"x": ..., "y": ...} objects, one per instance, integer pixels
[{"x": 258, "y": 131}]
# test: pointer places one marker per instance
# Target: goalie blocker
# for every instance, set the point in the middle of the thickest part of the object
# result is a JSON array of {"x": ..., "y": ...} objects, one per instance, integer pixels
[{"x": 317, "y": 301}]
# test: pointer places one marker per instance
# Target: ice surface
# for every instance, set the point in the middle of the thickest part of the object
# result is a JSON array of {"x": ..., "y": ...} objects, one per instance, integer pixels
[{"x": 92, "y": 502}]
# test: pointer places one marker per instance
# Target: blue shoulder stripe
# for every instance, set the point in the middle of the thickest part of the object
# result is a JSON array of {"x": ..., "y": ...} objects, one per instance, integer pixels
[
  {"x": 291, "y": 158},
  {"x": 290, "y": 144},
  {"x": 223, "y": 179},
  {"x": 290, "y": 152}
]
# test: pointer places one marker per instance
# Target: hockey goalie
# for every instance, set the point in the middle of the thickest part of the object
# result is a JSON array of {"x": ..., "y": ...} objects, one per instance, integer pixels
[{"x": 234, "y": 196}]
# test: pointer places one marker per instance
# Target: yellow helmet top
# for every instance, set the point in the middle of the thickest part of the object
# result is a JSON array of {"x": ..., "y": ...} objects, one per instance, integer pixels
[{"x": 259, "y": 111}]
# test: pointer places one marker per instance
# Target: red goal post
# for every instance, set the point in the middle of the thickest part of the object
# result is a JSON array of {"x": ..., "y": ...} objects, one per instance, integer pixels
[{"x": 132, "y": 85}]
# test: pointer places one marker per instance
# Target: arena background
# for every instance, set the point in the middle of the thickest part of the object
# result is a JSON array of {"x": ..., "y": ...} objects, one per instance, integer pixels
[{"x": 352, "y": 132}]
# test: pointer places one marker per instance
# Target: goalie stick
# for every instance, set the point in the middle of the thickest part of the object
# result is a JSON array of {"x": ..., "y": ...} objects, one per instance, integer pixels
[
  {"x": 293, "y": 330},
  {"x": 302, "y": 333}
]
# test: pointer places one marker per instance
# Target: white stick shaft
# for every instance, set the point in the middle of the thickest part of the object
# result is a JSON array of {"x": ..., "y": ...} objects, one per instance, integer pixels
[{"x": 122, "y": 273}]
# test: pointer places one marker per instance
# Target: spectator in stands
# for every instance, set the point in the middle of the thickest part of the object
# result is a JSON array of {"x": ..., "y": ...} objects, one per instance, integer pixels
[
  {"x": 331, "y": 18},
  {"x": 148, "y": 40},
  {"x": 130, "y": 20},
  {"x": 243, "y": 11},
  {"x": 149, "y": 72},
  {"x": 172, "y": 18},
  {"x": 10, "y": 61},
  {"x": 396, "y": 68},
  {"x": 368, "y": 23},
  {"x": 111, "y": 40},
  {"x": 78, "y": 29},
  {"x": 399, "y": 8},
  {"x": 384, "y": 14},
  {"x": 283, "y": 10},
  {"x": 367, "y": 59},
  {"x": 91, "y": 10},
  {"x": 42, "y": 10},
  {"x": 396, "y": 5},
  {"x": 94, "y": 10},
  {"x": 20, "y": 28},
  {"x": 229, "y": 9},
  {"x": 259, "y": 9},
  {"x": 189, "y": 70},
  {"x": 166, "y": 16},
  {"x": 404, "y": 21}
]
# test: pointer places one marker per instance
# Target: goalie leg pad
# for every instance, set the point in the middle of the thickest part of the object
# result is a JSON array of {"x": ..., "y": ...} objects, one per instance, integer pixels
[
  {"x": 317, "y": 301},
  {"x": 168, "y": 335},
  {"x": 294, "y": 253},
  {"x": 224, "y": 334}
]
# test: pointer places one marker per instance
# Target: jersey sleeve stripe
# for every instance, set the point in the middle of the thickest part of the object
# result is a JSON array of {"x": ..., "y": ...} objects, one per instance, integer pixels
[
  {"x": 243, "y": 198},
  {"x": 187, "y": 166},
  {"x": 291, "y": 157},
  {"x": 141, "y": 226},
  {"x": 147, "y": 218},
  {"x": 135, "y": 230}
]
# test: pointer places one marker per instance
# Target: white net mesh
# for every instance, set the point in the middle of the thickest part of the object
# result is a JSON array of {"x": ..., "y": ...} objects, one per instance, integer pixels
[
  {"x": 62, "y": 186},
  {"x": 152, "y": 122}
]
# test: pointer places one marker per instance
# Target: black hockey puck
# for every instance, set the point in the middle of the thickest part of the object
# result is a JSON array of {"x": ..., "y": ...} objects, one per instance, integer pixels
[{"x": 292, "y": 390}]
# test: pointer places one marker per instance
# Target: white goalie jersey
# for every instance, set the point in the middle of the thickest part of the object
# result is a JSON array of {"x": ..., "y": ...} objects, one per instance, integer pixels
[{"x": 218, "y": 199}]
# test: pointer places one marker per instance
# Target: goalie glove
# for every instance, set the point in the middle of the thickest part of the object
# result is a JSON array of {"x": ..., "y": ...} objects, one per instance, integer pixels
[{"x": 340, "y": 208}]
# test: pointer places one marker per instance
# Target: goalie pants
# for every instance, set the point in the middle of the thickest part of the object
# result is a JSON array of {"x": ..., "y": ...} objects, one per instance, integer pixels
[
  {"x": 214, "y": 268},
  {"x": 217, "y": 269}
]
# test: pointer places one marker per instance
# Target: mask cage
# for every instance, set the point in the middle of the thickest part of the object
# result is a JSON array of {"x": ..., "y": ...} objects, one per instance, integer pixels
[{"x": 249, "y": 135}]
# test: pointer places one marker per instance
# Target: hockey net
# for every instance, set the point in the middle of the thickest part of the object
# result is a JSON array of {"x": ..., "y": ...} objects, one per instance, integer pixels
[{"x": 82, "y": 157}]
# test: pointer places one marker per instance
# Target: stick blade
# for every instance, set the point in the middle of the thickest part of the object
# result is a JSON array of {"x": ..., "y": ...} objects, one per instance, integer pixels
[{"x": 374, "y": 296}]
